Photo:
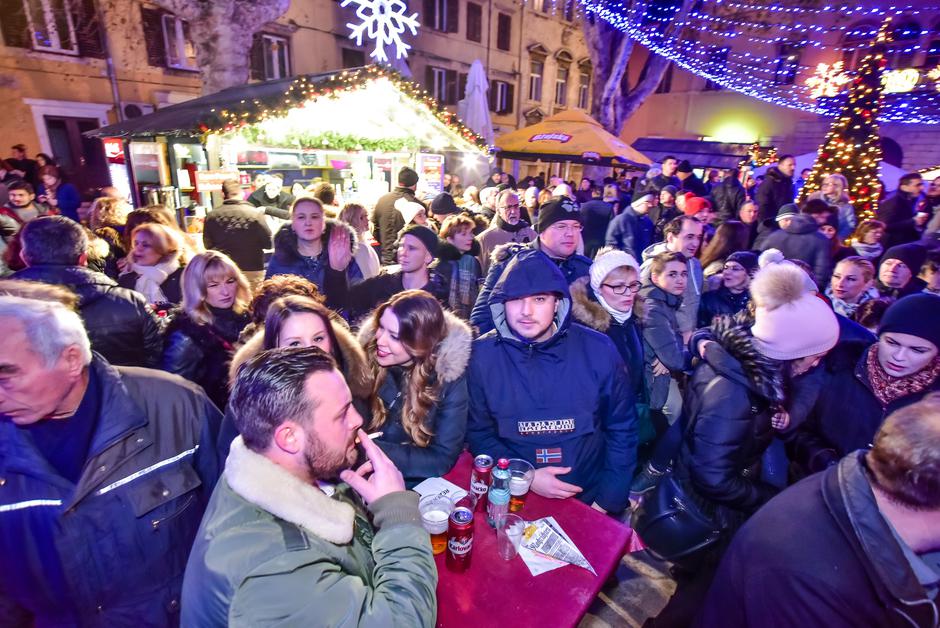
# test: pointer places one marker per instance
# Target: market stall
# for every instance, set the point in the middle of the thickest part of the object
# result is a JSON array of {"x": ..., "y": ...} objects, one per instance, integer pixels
[
  {"x": 352, "y": 128},
  {"x": 569, "y": 137}
]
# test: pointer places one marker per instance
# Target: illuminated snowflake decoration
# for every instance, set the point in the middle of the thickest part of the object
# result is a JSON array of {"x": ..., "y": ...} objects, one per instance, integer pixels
[
  {"x": 384, "y": 22},
  {"x": 828, "y": 80},
  {"x": 934, "y": 75}
]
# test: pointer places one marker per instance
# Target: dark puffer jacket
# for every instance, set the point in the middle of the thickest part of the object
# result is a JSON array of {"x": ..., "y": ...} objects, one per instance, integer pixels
[
  {"x": 801, "y": 240},
  {"x": 120, "y": 324},
  {"x": 565, "y": 401},
  {"x": 200, "y": 352},
  {"x": 728, "y": 196},
  {"x": 388, "y": 221},
  {"x": 239, "y": 230},
  {"x": 720, "y": 302},
  {"x": 573, "y": 267},
  {"x": 730, "y": 400},
  {"x": 775, "y": 191}
]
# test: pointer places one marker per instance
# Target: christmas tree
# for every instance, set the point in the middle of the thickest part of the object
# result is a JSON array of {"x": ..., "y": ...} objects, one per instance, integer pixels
[{"x": 852, "y": 147}]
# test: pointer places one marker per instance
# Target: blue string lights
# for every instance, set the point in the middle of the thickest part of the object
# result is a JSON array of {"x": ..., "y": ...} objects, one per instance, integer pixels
[{"x": 742, "y": 46}]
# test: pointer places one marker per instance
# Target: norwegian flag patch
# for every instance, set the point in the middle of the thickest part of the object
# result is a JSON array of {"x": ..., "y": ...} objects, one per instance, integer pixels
[{"x": 548, "y": 456}]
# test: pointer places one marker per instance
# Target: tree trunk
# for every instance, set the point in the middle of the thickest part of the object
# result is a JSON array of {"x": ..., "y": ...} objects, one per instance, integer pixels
[{"x": 222, "y": 32}]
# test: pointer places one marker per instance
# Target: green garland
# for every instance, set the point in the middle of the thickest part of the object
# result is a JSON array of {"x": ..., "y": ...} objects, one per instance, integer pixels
[{"x": 328, "y": 141}]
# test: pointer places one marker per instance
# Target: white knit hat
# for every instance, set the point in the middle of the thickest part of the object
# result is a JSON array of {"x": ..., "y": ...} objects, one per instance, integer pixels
[
  {"x": 606, "y": 261},
  {"x": 646, "y": 198},
  {"x": 791, "y": 322},
  {"x": 408, "y": 209}
]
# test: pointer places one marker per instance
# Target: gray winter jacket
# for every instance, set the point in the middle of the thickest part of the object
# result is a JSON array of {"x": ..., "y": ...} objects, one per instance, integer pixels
[
  {"x": 662, "y": 340},
  {"x": 687, "y": 315}
]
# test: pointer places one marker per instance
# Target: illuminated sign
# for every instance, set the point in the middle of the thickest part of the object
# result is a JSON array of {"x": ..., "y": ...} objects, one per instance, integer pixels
[
  {"x": 550, "y": 137},
  {"x": 114, "y": 150}
]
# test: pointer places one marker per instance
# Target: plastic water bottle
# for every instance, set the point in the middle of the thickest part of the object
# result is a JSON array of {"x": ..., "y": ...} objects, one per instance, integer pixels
[{"x": 498, "y": 494}]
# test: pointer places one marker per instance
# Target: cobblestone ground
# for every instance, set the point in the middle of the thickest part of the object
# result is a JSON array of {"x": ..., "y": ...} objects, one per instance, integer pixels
[{"x": 641, "y": 589}]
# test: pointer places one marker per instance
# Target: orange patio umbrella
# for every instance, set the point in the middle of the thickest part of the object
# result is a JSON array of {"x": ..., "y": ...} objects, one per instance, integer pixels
[{"x": 571, "y": 136}]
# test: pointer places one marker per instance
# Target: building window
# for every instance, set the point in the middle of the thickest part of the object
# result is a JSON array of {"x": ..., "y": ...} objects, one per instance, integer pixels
[
  {"x": 561, "y": 85},
  {"x": 474, "y": 22},
  {"x": 932, "y": 59},
  {"x": 717, "y": 65},
  {"x": 180, "y": 52},
  {"x": 788, "y": 64},
  {"x": 665, "y": 84},
  {"x": 536, "y": 70},
  {"x": 901, "y": 51},
  {"x": 50, "y": 23},
  {"x": 501, "y": 97},
  {"x": 503, "y": 31},
  {"x": 855, "y": 44},
  {"x": 442, "y": 85},
  {"x": 353, "y": 58},
  {"x": 270, "y": 58},
  {"x": 584, "y": 90},
  {"x": 441, "y": 15},
  {"x": 542, "y": 6}
]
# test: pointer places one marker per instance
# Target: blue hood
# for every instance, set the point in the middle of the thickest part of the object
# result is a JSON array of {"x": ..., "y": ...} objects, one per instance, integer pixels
[{"x": 530, "y": 272}]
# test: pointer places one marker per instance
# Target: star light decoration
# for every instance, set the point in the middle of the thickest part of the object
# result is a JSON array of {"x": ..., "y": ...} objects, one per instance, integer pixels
[
  {"x": 384, "y": 22},
  {"x": 828, "y": 80}
]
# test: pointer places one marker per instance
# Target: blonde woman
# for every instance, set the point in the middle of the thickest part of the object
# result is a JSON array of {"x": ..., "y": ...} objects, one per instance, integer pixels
[
  {"x": 202, "y": 333},
  {"x": 356, "y": 216},
  {"x": 835, "y": 191},
  {"x": 155, "y": 265},
  {"x": 106, "y": 219}
]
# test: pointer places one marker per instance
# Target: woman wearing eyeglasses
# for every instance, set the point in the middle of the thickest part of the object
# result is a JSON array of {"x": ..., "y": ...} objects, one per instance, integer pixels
[{"x": 732, "y": 295}]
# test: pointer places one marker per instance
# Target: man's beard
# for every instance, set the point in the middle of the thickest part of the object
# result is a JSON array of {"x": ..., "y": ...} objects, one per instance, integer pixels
[{"x": 324, "y": 464}]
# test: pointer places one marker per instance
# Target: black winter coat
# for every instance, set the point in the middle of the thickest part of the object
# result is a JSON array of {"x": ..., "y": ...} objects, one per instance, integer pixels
[
  {"x": 239, "y": 230},
  {"x": 200, "y": 352},
  {"x": 388, "y": 221},
  {"x": 898, "y": 215},
  {"x": 829, "y": 432},
  {"x": 596, "y": 215},
  {"x": 775, "y": 191},
  {"x": 694, "y": 185},
  {"x": 655, "y": 185},
  {"x": 365, "y": 296},
  {"x": 720, "y": 302},
  {"x": 801, "y": 240},
  {"x": 728, "y": 404},
  {"x": 819, "y": 554},
  {"x": 111, "y": 549},
  {"x": 120, "y": 324},
  {"x": 728, "y": 197},
  {"x": 172, "y": 288}
]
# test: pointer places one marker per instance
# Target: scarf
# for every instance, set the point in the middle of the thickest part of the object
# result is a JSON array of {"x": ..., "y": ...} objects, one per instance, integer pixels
[
  {"x": 847, "y": 309},
  {"x": 887, "y": 389},
  {"x": 868, "y": 251},
  {"x": 150, "y": 278},
  {"x": 617, "y": 315},
  {"x": 505, "y": 226}
]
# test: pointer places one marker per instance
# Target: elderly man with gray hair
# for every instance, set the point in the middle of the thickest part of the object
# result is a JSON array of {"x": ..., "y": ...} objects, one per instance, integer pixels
[{"x": 104, "y": 475}]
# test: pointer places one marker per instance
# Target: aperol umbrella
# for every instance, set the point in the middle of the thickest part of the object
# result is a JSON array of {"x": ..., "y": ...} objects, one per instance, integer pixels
[{"x": 571, "y": 136}]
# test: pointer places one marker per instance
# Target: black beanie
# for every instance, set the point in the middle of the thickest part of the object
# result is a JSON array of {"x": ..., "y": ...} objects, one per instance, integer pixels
[
  {"x": 428, "y": 238},
  {"x": 444, "y": 204},
  {"x": 915, "y": 314},
  {"x": 407, "y": 177},
  {"x": 747, "y": 259},
  {"x": 912, "y": 254},
  {"x": 684, "y": 166},
  {"x": 558, "y": 209}
]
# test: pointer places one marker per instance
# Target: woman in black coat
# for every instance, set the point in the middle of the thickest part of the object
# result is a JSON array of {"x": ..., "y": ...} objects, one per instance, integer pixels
[{"x": 202, "y": 333}]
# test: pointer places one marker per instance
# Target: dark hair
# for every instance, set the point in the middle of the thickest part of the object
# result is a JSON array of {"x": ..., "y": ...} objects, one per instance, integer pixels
[
  {"x": 785, "y": 157},
  {"x": 908, "y": 178},
  {"x": 53, "y": 240},
  {"x": 869, "y": 313},
  {"x": 668, "y": 157},
  {"x": 674, "y": 226},
  {"x": 730, "y": 237},
  {"x": 271, "y": 388},
  {"x": 324, "y": 192},
  {"x": 905, "y": 458},
  {"x": 932, "y": 262},
  {"x": 272, "y": 289},
  {"x": 22, "y": 185},
  {"x": 231, "y": 189},
  {"x": 659, "y": 262},
  {"x": 49, "y": 160},
  {"x": 816, "y": 206},
  {"x": 285, "y": 307}
]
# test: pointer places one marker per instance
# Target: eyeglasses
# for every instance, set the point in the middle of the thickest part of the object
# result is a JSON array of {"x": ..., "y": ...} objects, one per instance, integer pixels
[{"x": 621, "y": 288}]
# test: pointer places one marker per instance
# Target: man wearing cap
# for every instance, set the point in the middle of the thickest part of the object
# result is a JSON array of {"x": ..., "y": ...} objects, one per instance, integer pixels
[
  {"x": 632, "y": 230},
  {"x": 897, "y": 274},
  {"x": 551, "y": 391},
  {"x": 387, "y": 220},
  {"x": 798, "y": 238},
  {"x": 442, "y": 206},
  {"x": 688, "y": 180},
  {"x": 417, "y": 248},
  {"x": 239, "y": 230},
  {"x": 507, "y": 226},
  {"x": 559, "y": 230}
]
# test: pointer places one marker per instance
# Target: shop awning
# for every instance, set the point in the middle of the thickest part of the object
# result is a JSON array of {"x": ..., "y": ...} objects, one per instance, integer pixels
[
  {"x": 570, "y": 136},
  {"x": 370, "y": 108},
  {"x": 699, "y": 154}
]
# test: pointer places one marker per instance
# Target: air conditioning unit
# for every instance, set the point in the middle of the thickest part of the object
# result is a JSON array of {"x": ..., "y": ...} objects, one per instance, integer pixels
[{"x": 135, "y": 109}]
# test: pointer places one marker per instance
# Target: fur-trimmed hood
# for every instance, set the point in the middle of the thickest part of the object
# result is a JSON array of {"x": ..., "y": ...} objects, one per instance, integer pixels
[
  {"x": 588, "y": 311},
  {"x": 453, "y": 353},
  {"x": 357, "y": 373},
  {"x": 285, "y": 241},
  {"x": 739, "y": 359},
  {"x": 272, "y": 488}
]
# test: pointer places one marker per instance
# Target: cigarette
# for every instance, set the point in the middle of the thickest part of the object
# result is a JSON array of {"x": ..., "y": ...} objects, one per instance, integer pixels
[{"x": 372, "y": 436}]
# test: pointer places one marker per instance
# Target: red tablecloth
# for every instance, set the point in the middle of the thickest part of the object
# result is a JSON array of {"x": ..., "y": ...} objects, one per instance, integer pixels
[{"x": 495, "y": 592}]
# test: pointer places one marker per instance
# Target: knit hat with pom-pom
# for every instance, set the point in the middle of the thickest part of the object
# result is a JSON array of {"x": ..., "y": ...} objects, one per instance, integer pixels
[{"x": 790, "y": 321}]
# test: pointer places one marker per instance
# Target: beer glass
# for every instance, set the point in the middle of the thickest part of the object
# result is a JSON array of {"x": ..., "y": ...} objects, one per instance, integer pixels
[
  {"x": 435, "y": 512},
  {"x": 509, "y": 530},
  {"x": 521, "y": 474}
]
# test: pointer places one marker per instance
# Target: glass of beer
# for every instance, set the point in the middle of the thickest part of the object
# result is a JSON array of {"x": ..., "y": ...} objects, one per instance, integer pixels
[
  {"x": 521, "y": 474},
  {"x": 435, "y": 513}
]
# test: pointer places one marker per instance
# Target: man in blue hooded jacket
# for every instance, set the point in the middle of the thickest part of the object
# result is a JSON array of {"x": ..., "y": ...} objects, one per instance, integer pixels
[{"x": 550, "y": 391}]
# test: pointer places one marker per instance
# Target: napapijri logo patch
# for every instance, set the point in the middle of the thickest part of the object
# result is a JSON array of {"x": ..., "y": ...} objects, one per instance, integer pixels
[{"x": 550, "y": 426}]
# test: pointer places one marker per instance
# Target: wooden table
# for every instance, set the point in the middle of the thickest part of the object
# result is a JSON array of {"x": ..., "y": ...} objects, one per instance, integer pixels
[{"x": 495, "y": 592}]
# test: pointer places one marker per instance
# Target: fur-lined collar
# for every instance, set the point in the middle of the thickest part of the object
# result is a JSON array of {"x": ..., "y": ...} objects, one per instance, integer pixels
[
  {"x": 357, "y": 374},
  {"x": 285, "y": 240},
  {"x": 761, "y": 374},
  {"x": 453, "y": 353},
  {"x": 272, "y": 488}
]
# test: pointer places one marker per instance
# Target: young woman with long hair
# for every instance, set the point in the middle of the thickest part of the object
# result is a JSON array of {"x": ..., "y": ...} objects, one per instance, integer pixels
[
  {"x": 418, "y": 354},
  {"x": 201, "y": 335}
]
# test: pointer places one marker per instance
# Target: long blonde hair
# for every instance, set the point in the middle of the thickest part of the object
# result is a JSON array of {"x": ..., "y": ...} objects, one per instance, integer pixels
[
  {"x": 421, "y": 328},
  {"x": 202, "y": 268}
]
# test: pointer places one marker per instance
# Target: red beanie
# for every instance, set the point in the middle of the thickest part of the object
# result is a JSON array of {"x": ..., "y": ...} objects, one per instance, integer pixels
[{"x": 695, "y": 204}]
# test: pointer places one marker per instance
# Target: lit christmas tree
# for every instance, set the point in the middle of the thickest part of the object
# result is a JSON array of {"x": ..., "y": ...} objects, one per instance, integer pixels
[{"x": 853, "y": 147}]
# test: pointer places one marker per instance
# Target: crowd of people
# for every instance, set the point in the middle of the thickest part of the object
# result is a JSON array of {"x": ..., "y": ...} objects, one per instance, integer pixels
[{"x": 222, "y": 428}]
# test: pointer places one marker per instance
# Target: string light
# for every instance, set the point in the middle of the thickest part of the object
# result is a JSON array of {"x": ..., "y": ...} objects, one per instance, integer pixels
[{"x": 852, "y": 146}]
